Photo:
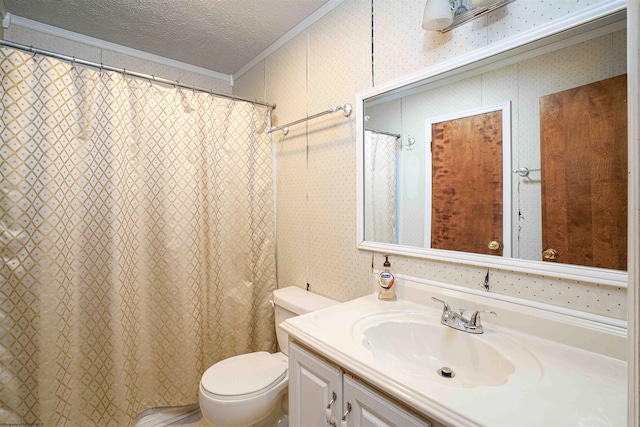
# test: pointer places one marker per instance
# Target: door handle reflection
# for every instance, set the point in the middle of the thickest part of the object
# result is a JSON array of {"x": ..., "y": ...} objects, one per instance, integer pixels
[{"x": 549, "y": 254}]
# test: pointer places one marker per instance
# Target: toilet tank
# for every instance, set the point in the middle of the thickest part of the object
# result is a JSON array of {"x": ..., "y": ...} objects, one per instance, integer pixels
[{"x": 291, "y": 302}]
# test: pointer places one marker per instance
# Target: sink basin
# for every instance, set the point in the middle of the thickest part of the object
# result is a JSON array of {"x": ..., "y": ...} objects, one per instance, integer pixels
[{"x": 418, "y": 345}]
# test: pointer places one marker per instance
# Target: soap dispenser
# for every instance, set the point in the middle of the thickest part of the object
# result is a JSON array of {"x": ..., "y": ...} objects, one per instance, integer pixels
[{"x": 386, "y": 280}]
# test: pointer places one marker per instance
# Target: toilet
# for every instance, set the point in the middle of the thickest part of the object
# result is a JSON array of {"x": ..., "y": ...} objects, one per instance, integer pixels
[{"x": 251, "y": 389}]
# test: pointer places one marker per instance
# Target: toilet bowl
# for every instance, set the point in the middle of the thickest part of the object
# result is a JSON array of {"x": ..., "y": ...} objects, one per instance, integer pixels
[
  {"x": 245, "y": 389},
  {"x": 251, "y": 389}
]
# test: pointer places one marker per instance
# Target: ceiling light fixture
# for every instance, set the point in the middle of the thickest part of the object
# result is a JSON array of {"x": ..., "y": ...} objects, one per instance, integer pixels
[{"x": 438, "y": 14}]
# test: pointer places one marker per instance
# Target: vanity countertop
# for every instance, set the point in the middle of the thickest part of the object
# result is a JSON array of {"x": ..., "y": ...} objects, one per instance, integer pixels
[{"x": 576, "y": 387}]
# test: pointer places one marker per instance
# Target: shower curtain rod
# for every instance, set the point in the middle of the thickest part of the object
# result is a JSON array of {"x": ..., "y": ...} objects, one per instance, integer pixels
[
  {"x": 345, "y": 108},
  {"x": 124, "y": 71},
  {"x": 397, "y": 135}
]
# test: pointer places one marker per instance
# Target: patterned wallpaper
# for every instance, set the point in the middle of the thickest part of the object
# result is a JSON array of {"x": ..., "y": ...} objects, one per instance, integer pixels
[{"x": 329, "y": 64}]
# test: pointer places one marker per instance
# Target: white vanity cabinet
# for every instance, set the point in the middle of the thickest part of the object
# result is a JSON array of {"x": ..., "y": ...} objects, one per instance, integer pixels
[
  {"x": 320, "y": 394},
  {"x": 314, "y": 386},
  {"x": 370, "y": 408}
]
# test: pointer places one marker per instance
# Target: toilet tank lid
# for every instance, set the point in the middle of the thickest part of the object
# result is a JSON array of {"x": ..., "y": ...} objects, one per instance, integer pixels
[{"x": 299, "y": 301}]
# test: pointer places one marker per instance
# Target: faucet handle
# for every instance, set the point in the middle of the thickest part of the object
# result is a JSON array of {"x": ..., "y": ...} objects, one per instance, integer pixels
[
  {"x": 446, "y": 307},
  {"x": 475, "y": 318}
]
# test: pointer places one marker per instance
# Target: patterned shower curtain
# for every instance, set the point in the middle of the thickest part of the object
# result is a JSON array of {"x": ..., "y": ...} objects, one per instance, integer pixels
[
  {"x": 137, "y": 241},
  {"x": 380, "y": 170}
]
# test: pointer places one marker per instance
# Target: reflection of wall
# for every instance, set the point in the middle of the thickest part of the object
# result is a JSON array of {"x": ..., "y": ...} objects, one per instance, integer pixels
[
  {"x": 523, "y": 84},
  {"x": 328, "y": 64}
]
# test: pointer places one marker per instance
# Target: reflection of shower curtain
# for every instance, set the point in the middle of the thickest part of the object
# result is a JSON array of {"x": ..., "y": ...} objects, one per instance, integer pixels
[
  {"x": 380, "y": 187},
  {"x": 137, "y": 241}
]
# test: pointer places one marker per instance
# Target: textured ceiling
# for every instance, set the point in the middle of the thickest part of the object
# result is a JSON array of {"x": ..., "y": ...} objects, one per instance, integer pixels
[{"x": 220, "y": 35}]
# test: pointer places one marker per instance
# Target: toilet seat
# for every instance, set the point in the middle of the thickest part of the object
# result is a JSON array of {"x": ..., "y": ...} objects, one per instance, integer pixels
[{"x": 244, "y": 376}]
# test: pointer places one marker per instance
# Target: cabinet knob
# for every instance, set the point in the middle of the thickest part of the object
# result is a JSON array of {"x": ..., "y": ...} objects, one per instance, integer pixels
[
  {"x": 494, "y": 246},
  {"x": 549, "y": 254}
]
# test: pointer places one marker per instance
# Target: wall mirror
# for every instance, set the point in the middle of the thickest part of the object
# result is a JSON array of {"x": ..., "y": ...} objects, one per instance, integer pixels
[{"x": 512, "y": 156}]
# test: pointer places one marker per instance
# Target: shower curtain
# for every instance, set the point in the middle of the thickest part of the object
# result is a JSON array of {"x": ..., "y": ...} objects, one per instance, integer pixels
[
  {"x": 380, "y": 169},
  {"x": 137, "y": 241}
]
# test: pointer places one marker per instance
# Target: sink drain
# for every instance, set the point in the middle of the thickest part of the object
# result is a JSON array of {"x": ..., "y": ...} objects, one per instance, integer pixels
[{"x": 446, "y": 372}]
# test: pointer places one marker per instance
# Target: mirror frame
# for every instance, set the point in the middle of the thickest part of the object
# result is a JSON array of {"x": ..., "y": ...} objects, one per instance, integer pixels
[{"x": 576, "y": 27}]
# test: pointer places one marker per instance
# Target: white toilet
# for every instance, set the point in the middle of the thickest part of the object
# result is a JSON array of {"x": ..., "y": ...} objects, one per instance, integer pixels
[{"x": 251, "y": 389}]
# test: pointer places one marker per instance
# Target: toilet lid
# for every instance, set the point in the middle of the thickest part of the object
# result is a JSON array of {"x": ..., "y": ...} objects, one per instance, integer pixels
[{"x": 244, "y": 374}]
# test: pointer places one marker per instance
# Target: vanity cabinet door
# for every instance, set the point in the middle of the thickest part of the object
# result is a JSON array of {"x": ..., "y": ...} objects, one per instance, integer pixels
[
  {"x": 313, "y": 383},
  {"x": 369, "y": 408}
]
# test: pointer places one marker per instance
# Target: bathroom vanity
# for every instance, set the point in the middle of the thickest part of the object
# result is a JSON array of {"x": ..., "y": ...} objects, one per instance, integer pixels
[
  {"x": 311, "y": 376},
  {"x": 371, "y": 362}
]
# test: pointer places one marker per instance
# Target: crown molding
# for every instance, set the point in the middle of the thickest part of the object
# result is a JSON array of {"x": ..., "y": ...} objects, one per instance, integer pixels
[
  {"x": 310, "y": 20},
  {"x": 102, "y": 44}
]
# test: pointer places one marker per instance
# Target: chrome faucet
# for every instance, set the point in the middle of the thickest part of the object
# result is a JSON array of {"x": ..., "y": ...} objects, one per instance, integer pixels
[{"x": 457, "y": 320}]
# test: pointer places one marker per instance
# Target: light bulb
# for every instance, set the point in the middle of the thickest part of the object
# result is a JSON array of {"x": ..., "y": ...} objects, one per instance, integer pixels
[{"x": 437, "y": 15}]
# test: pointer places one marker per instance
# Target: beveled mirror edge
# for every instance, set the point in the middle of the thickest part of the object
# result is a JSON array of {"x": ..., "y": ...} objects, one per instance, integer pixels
[{"x": 553, "y": 28}]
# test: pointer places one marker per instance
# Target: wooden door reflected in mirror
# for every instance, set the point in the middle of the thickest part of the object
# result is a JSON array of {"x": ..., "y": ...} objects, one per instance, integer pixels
[
  {"x": 467, "y": 182},
  {"x": 583, "y": 134}
]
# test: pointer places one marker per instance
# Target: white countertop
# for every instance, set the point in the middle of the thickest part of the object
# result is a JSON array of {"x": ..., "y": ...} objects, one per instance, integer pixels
[{"x": 576, "y": 387}]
